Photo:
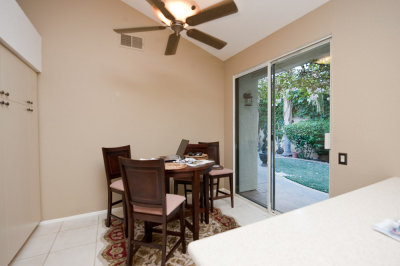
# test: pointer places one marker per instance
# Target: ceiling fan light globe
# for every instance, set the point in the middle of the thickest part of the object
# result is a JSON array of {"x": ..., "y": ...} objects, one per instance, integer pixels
[
  {"x": 180, "y": 9},
  {"x": 161, "y": 17}
]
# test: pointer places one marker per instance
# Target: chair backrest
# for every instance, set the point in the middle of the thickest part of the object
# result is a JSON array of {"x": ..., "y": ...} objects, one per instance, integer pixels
[
  {"x": 196, "y": 148},
  {"x": 111, "y": 163},
  {"x": 144, "y": 182},
  {"x": 212, "y": 150}
]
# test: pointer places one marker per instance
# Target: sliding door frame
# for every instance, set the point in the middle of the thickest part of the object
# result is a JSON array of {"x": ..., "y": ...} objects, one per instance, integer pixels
[
  {"x": 271, "y": 139},
  {"x": 235, "y": 94},
  {"x": 271, "y": 95}
]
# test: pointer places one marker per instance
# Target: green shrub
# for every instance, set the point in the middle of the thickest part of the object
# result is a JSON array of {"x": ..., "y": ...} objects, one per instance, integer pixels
[
  {"x": 264, "y": 146},
  {"x": 308, "y": 136}
]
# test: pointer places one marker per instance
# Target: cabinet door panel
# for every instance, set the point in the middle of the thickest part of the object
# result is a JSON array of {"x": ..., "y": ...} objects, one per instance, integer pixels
[
  {"x": 32, "y": 151},
  {"x": 3, "y": 232},
  {"x": 15, "y": 77},
  {"x": 15, "y": 171}
]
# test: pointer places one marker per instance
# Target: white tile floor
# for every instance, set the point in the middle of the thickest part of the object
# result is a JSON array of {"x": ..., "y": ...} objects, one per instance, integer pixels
[{"x": 79, "y": 241}]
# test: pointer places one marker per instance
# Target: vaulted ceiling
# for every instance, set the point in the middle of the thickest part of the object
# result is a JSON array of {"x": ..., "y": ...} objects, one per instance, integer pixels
[{"x": 255, "y": 20}]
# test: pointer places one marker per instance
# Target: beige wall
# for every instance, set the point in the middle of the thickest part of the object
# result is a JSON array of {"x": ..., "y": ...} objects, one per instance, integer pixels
[
  {"x": 94, "y": 93},
  {"x": 365, "y": 88}
]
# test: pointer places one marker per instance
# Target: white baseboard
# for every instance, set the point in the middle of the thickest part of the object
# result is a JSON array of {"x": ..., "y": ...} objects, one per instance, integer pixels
[{"x": 83, "y": 215}]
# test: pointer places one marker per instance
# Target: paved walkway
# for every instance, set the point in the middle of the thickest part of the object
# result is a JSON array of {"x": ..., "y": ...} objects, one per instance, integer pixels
[{"x": 289, "y": 195}]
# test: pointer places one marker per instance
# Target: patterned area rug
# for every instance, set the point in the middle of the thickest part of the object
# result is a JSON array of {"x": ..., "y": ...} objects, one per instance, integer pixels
[{"x": 115, "y": 252}]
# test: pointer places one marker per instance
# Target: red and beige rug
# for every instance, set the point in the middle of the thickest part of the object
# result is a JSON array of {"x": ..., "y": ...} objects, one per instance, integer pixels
[{"x": 115, "y": 252}]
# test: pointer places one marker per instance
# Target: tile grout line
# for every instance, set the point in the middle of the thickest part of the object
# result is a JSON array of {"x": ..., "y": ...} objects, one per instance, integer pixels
[
  {"x": 52, "y": 244},
  {"x": 77, "y": 228},
  {"x": 97, "y": 240},
  {"x": 79, "y": 245}
]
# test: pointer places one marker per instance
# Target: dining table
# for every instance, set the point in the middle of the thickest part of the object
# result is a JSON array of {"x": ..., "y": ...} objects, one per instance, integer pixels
[{"x": 193, "y": 174}]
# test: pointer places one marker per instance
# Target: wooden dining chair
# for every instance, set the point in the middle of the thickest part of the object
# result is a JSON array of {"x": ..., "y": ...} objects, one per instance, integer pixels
[
  {"x": 193, "y": 148},
  {"x": 114, "y": 184},
  {"x": 146, "y": 200},
  {"x": 216, "y": 174},
  {"x": 189, "y": 148}
]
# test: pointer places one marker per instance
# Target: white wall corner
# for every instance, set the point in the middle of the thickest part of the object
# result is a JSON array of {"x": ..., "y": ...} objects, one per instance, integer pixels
[{"x": 19, "y": 35}]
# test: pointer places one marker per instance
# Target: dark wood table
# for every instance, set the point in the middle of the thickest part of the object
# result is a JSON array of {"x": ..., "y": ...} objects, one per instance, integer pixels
[{"x": 193, "y": 174}]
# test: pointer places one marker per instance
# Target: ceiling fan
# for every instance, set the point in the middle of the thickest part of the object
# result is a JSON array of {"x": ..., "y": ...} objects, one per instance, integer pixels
[{"x": 179, "y": 14}]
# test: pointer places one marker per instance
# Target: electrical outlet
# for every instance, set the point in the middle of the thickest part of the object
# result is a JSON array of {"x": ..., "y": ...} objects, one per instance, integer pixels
[{"x": 343, "y": 158}]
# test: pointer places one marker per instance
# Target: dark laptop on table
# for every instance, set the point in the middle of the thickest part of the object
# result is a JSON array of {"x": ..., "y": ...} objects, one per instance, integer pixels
[{"x": 179, "y": 153}]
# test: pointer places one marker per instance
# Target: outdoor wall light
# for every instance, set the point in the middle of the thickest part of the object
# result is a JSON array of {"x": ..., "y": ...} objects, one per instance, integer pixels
[{"x": 248, "y": 99}]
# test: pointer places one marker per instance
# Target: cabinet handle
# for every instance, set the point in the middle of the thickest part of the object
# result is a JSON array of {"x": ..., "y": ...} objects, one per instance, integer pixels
[
  {"x": 7, "y": 94},
  {"x": 4, "y": 93},
  {"x": 29, "y": 110},
  {"x": 29, "y": 102},
  {"x": 2, "y": 102},
  {"x": 6, "y": 103}
]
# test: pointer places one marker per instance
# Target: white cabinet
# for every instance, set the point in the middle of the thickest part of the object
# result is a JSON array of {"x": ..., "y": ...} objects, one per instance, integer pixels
[{"x": 19, "y": 155}]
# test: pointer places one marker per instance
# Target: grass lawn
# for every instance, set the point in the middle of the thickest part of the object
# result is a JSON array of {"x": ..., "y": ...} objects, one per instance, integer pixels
[{"x": 308, "y": 173}]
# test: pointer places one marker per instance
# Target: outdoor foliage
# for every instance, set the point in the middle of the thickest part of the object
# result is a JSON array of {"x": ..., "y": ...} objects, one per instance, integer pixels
[
  {"x": 306, "y": 88},
  {"x": 308, "y": 136},
  {"x": 264, "y": 146},
  {"x": 262, "y": 102}
]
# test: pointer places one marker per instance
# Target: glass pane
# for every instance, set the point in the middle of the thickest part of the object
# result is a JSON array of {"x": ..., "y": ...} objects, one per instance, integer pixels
[
  {"x": 302, "y": 114},
  {"x": 251, "y": 136}
]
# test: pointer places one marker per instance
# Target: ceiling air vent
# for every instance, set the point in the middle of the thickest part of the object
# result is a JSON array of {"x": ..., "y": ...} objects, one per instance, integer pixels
[{"x": 131, "y": 41}]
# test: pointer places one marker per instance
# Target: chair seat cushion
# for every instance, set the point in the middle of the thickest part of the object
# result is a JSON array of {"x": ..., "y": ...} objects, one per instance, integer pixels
[
  {"x": 173, "y": 201},
  {"x": 117, "y": 185},
  {"x": 224, "y": 171}
]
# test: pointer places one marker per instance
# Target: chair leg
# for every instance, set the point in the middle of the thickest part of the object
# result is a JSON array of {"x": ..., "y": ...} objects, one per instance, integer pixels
[
  {"x": 206, "y": 196},
  {"x": 124, "y": 208},
  {"x": 164, "y": 244},
  {"x": 175, "y": 187},
  {"x": 131, "y": 234},
  {"x": 185, "y": 189},
  {"x": 201, "y": 203},
  {"x": 212, "y": 193},
  {"x": 109, "y": 206},
  {"x": 182, "y": 222},
  {"x": 231, "y": 188},
  {"x": 217, "y": 186},
  {"x": 148, "y": 232}
]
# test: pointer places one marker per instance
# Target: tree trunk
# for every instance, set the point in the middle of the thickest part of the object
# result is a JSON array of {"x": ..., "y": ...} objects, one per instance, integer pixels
[{"x": 287, "y": 119}]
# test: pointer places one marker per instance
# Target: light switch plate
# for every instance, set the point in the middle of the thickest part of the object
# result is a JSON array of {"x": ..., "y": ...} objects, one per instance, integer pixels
[{"x": 343, "y": 158}]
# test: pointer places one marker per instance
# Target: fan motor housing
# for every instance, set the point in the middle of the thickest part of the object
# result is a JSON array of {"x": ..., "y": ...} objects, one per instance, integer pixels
[{"x": 177, "y": 26}]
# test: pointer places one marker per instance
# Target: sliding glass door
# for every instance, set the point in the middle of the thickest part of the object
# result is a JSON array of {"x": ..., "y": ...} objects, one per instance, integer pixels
[
  {"x": 281, "y": 122},
  {"x": 301, "y": 117},
  {"x": 251, "y": 135}
]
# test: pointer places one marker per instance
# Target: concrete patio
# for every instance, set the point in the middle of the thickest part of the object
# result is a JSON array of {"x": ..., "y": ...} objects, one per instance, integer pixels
[{"x": 289, "y": 195}]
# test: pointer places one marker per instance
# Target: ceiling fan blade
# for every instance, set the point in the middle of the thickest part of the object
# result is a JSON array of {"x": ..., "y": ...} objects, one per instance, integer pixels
[
  {"x": 172, "y": 44},
  {"x": 161, "y": 6},
  {"x": 218, "y": 10},
  {"x": 139, "y": 29},
  {"x": 206, "y": 38}
]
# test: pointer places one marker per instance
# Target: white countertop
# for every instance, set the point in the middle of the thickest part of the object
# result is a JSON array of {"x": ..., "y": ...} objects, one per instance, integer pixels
[{"x": 337, "y": 231}]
